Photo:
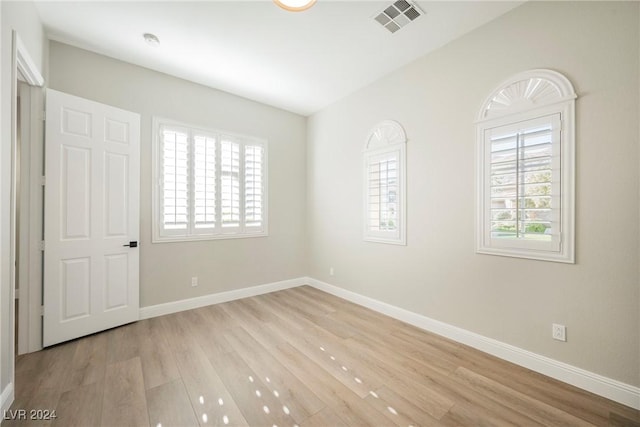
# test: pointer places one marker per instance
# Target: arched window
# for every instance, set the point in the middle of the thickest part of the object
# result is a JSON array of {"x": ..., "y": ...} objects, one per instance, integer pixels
[
  {"x": 525, "y": 166},
  {"x": 384, "y": 184}
]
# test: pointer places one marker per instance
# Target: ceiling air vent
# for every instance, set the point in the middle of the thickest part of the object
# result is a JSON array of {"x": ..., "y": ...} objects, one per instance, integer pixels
[{"x": 398, "y": 14}]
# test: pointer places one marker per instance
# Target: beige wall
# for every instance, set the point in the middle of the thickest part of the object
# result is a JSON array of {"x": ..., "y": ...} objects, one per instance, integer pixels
[
  {"x": 438, "y": 274},
  {"x": 166, "y": 268},
  {"x": 23, "y": 18}
]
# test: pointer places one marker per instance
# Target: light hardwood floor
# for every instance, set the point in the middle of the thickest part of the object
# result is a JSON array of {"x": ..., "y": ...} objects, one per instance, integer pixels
[{"x": 294, "y": 357}]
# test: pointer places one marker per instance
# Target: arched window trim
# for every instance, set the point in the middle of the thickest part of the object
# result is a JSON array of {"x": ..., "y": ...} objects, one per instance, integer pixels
[
  {"x": 385, "y": 133},
  {"x": 516, "y": 94},
  {"x": 523, "y": 98},
  {"x": 385, "y": 141}
]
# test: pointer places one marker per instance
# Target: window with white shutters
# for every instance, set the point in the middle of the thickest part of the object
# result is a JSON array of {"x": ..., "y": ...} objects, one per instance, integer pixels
[
  {"x": 384, "y": 184},
  {"x": 523, "y": 181},
  {"x": 525, "y": 162},
  {"x": 208, "y": 184}
]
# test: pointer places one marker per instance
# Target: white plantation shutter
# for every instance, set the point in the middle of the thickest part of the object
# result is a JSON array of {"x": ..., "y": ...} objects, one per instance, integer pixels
[
  {"x": 254, "y": 189},
  {"x": 175, "y": 181},
  {"x": 209, "y": 184},
  {"x": 383, "y": 192},
  {"x": 384, "y": 185},
  {"x": 230, "y": 183},
  {"x": 204, "y": 187},
  {"x": 523, "y": 181}
]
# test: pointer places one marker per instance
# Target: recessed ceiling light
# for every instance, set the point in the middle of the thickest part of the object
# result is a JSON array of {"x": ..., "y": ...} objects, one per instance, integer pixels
[
  {"x": 295, "y": 5},
  {"x": 151, "y": 39}
]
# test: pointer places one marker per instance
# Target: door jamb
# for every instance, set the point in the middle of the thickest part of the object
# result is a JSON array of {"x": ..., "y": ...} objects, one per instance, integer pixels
[{"x": 22, "y": 64}]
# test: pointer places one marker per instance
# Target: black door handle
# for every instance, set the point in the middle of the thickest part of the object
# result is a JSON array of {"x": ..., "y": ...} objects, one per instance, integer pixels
[{"x": 132, "y": 244}]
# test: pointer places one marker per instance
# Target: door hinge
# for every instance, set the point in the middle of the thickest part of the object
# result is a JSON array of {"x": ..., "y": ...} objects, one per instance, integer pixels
[
  {"x": 42, "y": 310},
  {"x": 44, "y": 116},
  {"x": 43, "y": 180},
  {"x": 42, "y": 245}
]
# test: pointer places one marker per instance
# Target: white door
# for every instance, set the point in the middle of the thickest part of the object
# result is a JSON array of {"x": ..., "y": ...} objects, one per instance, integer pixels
[{"x": 92, "y": 171}]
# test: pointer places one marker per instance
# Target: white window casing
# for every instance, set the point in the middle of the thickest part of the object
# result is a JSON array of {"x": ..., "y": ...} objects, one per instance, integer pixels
[
  {"x": 525, "y": 169},
  {"x": 385, "y": 184},
  {"x": 207, "y": 184}
]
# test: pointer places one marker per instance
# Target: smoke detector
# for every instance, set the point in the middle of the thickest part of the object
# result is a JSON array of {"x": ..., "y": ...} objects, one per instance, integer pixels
[
  {"x": 398, "y": 14},
  {"x": 151, "y": 39}
]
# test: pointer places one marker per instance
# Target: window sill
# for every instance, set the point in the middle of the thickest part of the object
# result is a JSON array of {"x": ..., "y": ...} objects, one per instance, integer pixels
[{"x": 174, "y": 239}]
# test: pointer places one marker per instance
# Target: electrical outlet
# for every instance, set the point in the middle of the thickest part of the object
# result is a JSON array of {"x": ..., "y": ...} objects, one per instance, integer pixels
[
  {"x": 331, "y": 272},
  {"x": 194, "y": 281},
  {"x": 559, "y": 332}
]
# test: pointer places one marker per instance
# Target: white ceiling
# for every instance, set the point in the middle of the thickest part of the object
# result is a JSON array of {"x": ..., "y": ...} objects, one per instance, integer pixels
[{"x": 299, "y": 62}]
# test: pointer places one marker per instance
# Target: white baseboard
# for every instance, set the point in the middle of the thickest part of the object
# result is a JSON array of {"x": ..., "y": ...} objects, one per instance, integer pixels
[
  {"x": 6, "y": 398},
  {"x": 606, "y": 387},
  {"x": 191, "y": 303}
]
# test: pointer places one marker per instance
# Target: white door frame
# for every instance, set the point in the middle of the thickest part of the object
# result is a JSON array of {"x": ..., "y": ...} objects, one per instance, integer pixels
[{"x": 29, "y": 303}]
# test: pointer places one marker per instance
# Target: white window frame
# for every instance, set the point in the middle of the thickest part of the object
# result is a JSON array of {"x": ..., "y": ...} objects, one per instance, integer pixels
[
  {"x": 162, "y": 235},
  {"x": 387, "y": 138},
  {"x": 526, "y": 98}
]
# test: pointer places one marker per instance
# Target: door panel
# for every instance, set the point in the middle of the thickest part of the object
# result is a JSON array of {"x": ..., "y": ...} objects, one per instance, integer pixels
[
  {"x": 117, "y": 278},
  {"x": 75, "y": 193},
  {"x": 75, "y": 281},
  {"x": 92, "y": 158}
]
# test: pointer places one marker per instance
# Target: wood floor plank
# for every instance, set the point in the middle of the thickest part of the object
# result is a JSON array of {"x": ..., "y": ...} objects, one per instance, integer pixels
[
  {"x": 257, "y": 404},
  {"x": 157, "y": 359},
  {"x": 536, "y": 410},
  {"x": 89, "y": 362},
  {"x": 338, "y": 368},
  {"x": 298, "y": 303},
  {"x": 324, "y": 418},
  {"x": 295, "y": 357},
  {"x": 262, "y": 333},
  {"x": 123, "y": 343},
  {"x": 399, "y": 410},
  {"x": 469, "y": 415},
  {"x": 178, "y": 333},
  {"x": 404, "y": 382},
  {"x": 375, "y": 338},
  {"x": 617, "y": 420},
  {"x": 563, "y": 396},
  {"x": 210, "y": 335},
  {"x": 209, "y": 396},
  {"x": 286, "y": 387},
  {"x": 438, "y": 389},
  {"x": 326, "y": 349},
  {"x": 309, "y": 300},
  {"x": 124, "y": 402},
  {"x": 169, "y": 406},
  {"x": 344, "y": 402},
  {"x": 41, "y": 386},
  {"x": 81, "y": 406}
]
